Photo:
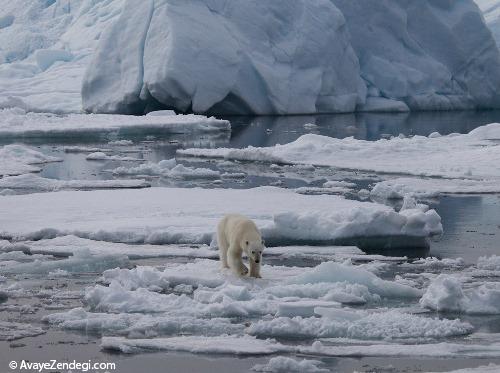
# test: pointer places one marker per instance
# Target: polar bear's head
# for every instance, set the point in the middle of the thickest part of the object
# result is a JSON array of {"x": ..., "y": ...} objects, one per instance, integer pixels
[{"x": 254, "y": 249}]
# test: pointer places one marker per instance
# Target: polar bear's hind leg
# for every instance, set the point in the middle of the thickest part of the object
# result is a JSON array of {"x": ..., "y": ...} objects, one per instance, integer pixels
[{"x": 223, "y": 246}]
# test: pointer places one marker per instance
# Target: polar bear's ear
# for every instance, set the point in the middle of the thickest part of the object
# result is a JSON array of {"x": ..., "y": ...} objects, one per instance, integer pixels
[{"x": 263, "y": 242}]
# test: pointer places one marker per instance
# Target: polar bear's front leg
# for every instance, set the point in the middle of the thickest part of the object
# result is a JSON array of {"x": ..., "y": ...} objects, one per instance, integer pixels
[
  {"x": 235, "y": 262},
  {"x": 254, "y": 269}
]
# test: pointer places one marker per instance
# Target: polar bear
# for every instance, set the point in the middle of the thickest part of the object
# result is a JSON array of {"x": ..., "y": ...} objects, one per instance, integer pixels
[{"x": 237, "y": 234}]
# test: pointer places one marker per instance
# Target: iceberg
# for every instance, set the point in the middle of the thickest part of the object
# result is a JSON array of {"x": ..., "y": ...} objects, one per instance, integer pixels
[
  {"x": 250, "y": 57},
  {"x": 491, "y": 12},
  {"x": 423, "y": 53},
  {"x": 238, "y": 57}
]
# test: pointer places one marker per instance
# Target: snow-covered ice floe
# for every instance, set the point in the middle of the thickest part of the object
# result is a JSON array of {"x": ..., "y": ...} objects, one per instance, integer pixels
[
  {"x": 473, "y": 156},
  {"x": 467, "y": 163},
  {"x": 38, "y": 183},
  {"x": 234, "y": 345},
  {"x": 199, "y": 299},
  {"x": 176, "y": 215},
  {"x": 247, "y": 346},
  {"x": 80, "y": 262},
  {"x": 16, "y": 159},
  {"x": 430, "y": 188},
  {"x": 71, "y": 245},
  {"x": 64, "y": 246},
  {"x": 16, "y": 122}
]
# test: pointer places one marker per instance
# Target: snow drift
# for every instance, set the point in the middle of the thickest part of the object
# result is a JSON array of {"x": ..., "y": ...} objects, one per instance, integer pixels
[{"x": 252, "y": 57}]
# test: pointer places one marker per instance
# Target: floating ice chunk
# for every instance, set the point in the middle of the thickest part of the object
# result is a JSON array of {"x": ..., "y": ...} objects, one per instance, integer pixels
[
  {"x": 337, "y": 253},
  {"x": 432, "y": 263},
  {"x": 443, "y": 349},
  {"x": 182, "y": 172},
  {"x": 19, "y": 159},
  {"x": 431, "y": 188},
  {"x": 310, "y": 126},
  {"x": 121, "y": 143},
  {"x": 139, "y": 324},
  {"x": 145, "y": 169},
  {"x": 14, "y": 123},
  {"x": 467, "y": 156},
  {"x": 139, "y": 277},
  {"x": 69, "y": 245},
  {"x": 58, "y": 273},
  {"x": 282, "y": 364},
  {"x": 234, "y": 345},
  {"x": 10, "y": 331},
  {"x": 84, "y": 149},
  {"x": 198, "y": 273},
  {"x": 342, "y": 292},
  {"x": 445, "y": 293},
  {"x": 81, "y": 262},
  {"x": 303, "y": 308},
  {"x": 332, "y": 272},
  {"x": 233, "y": 175},
  {"x": 316, "y": 190},
  {"x": 161, "y": 113},
  {"x": 116, "y": 299},
  {"x": 168, "y": 168},
  {"x": 359, "y": 325},
  {"x": 101, "y": 156},
  {"x": 337, "y": 183},
  {"x": 326, "y": 226},
  {"x": 35, "y": 182}
]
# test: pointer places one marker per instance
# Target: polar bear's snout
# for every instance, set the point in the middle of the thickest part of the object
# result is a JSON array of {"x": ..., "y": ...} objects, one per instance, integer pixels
[{"x": 255, "y": 253}]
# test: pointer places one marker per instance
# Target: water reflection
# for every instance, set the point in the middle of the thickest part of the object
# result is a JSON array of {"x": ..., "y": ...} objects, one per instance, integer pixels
[
  {"x": 268, "y": 131},
  {"x": 471, "y": 227}
]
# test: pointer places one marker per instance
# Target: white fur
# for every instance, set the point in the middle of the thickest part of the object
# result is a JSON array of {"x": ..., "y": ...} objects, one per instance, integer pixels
[{"x": 237, "y": 234}]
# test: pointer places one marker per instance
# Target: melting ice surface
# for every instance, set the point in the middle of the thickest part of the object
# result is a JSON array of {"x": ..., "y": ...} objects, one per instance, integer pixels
[{"x": 135, "y": 270}]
